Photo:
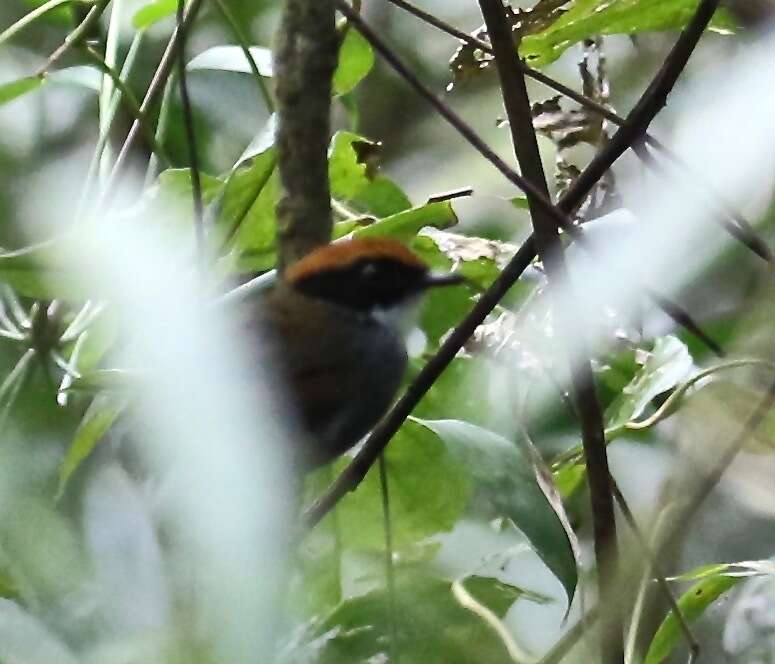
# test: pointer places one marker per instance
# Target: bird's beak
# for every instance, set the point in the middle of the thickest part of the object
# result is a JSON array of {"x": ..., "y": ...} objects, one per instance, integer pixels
[{"x": 433, "y": 279}]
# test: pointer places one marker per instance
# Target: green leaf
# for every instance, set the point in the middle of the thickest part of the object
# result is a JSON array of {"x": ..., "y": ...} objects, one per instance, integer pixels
[
  {"x": 430, "y": 626},
  {"x": 668, "y": 364},
  {"x": 99, "y": 417},
  {"x": 381, "y": 198},
  {"x": 692, "y": 604},
  {"x": 354, "y": 180},
  {"x": 403, "y": 226},
  {"x": 347, "y": 172},
  {"x": 15, "y": 89},
  {"x": 503, "y": 471},
  {"x": 428, "y": 493},
  {"x": 232, "y": 58},
  {"x": 355, "y": 61},
  {"x": 245, "y": 212},
  {"x": 588, "y": 18},
  {"x": 497, "y": 595},
  {"x": 154, "y": 12}
]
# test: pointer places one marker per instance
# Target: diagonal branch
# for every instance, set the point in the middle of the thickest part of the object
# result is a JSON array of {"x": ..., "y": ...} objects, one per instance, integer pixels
[
  {"x": 188, "y": 122},
  {"x": 567, "y": 316},
  {"x": 384, "y": 431}
]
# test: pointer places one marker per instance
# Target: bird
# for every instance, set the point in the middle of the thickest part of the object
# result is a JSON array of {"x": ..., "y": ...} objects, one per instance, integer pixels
[{"x": 334, "y": 329}]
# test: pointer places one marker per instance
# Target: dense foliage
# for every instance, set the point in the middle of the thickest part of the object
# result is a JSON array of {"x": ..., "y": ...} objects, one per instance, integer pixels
[{"x": 487, "y": 523}]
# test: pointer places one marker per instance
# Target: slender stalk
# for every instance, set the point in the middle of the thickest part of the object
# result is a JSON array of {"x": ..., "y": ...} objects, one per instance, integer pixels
[
  {"x": 107, "y": 86},
  {"x": 244, "y": 44},
  {"x": 162, "y": 125},
  {"x": 656, "y": 569},
  {"x": 109, "y": 117},
  {"x": 166, "y": 65},
  {"x": 30, "y": 18},
  {"x": 389, "y": 571},
  {"x": 130, "y": 101},
  {"x": 75, "y": 35},
  {"x": 188, "y": 121},
  {"x": 583, "y": 390}
]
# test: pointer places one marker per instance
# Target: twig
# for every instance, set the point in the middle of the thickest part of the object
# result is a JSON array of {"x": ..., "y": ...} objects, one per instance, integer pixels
[
  {"x": 305, "y": 60},
  {"x": 188, "y": 121},
  {"x": 130, "y": 101},
  {"x": 30, "y": 18},
  {"x": 75, "y": 36},
  {"x": 683, "y": 318},
  {"x": 686, "y": 508},
  {"x": 244, "y": 44},
  {"x": 583, "y": 391}
]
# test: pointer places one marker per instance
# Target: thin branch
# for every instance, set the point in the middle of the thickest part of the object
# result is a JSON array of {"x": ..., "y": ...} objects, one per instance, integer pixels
[
  {"x": 244, "y": 44},
  {"x": 305, "y": 60},
  {"x": 30, "y": 18},
  {"x": 130, "y": 101},
  {"x": 158, "y": 81},
  {"x": 687, "y": 507},
  {"x": 162, "y": 125},
  {"x": 75, "y": 36},
  {"x": 731, "y": 221},
  {"x": 682, "y": 317},
  {"x": 188, "y": 122},
  {"x": 583, "y": 390}
]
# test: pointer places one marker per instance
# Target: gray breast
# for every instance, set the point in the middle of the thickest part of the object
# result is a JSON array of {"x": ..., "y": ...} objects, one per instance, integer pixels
[{"x": 341, "y": 368}]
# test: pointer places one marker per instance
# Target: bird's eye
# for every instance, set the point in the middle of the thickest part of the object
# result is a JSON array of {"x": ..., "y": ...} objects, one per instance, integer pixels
[{"x": 369, "y": 270}]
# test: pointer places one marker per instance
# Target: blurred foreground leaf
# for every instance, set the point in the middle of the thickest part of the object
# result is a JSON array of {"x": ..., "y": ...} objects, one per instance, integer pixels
[{"x": 15, "y": 89}]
